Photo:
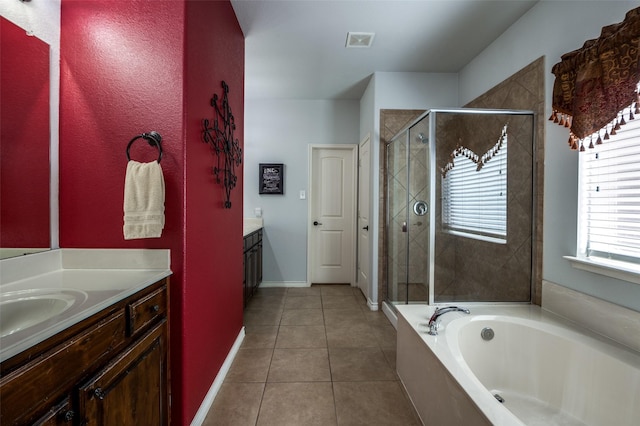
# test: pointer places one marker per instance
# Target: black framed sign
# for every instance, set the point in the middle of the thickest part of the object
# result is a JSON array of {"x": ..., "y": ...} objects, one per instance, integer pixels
[{"x": 271, "y": 178}]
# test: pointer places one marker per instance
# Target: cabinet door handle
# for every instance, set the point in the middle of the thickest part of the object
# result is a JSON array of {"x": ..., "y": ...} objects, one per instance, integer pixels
[
  {"x": 155, "y": 308},
  {"x": 366, "y": 228},
  {"x": 316, "y": 223},
  {"x": 99, "y": 393},
  {"x": 68, "y": 416}
]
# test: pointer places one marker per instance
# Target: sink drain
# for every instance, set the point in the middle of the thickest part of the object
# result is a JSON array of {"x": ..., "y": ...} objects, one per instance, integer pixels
[{"x": 499, "y": 398}]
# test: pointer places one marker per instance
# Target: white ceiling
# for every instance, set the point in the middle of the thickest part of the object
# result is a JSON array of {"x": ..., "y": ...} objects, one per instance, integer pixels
[{"x": 296, "y": 48}]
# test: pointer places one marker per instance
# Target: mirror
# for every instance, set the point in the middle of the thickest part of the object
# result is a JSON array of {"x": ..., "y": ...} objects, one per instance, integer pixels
[{"x": 24, "y": 142}]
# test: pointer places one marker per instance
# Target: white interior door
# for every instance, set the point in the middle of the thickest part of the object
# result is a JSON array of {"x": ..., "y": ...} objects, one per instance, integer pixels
[
  {"x": 364, "y": 248},
  {"x": 332, "y": 214}
]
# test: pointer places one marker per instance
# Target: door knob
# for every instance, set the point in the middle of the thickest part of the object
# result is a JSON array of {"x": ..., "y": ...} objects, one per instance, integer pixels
[
  {"x": 316, "y": 223},
  {"x": 366, "y": 228}
]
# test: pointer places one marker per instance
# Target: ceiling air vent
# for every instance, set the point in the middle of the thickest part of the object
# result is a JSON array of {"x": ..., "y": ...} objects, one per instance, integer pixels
[{"x": 359, "y": 39}]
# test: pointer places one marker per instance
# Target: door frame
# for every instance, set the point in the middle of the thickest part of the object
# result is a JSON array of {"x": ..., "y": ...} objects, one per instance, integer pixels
[
  {"x": 367, "y": 249},
  {"x": 354, "y": 188}
]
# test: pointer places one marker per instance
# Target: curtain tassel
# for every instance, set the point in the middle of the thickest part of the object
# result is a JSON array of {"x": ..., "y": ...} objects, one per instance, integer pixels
[
  {"x": 552, "y": 117},
  {"x": 573, "y": 142},
  {"x": 599, "y": 141}
]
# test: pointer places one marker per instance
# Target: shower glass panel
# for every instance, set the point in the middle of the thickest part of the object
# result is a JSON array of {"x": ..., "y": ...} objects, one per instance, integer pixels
[
  {"x": 397, "y": 219},
  {"x": 408, "y": 216},
  {"x": 460, "y": 208}
]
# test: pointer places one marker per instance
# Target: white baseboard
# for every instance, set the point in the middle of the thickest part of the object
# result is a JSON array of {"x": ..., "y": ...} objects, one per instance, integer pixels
[
  {"x": 373, "y": 306},
  {"x": 207, "y": 402},
  {"x": 268, "y": 284}
]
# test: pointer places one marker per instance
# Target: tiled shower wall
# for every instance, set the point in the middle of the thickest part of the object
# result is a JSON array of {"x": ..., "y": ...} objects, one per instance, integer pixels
[
  {"x": 523, "y": 91},
  {"x": 468, "y": 269}
]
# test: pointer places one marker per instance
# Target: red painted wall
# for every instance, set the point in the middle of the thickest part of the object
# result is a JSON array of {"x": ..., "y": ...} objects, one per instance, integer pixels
[
  {"x": 213, "y": 265},
  {"x": 129, "y": 67},
  {"x": 24, "y": 139}
]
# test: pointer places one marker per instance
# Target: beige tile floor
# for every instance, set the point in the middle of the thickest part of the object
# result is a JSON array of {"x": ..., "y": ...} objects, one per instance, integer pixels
[{"x": 313, "y": 356}]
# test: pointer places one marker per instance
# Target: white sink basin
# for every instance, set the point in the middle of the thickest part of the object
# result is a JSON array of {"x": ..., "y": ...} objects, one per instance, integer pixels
[{"x": 25, "y": 308}]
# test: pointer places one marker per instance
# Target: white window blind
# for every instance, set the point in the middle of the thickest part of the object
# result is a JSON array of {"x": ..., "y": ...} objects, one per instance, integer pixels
[
  {"x": 609, "y": 197},
  {"x": 474, "y": 202}
]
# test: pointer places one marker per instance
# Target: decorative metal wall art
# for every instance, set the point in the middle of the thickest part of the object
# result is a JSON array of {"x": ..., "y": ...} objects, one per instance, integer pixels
[{"x": 219, "y": 135}]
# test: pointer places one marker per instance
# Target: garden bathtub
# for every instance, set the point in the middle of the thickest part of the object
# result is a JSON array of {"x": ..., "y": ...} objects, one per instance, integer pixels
[{"x": 537, "y": 369}]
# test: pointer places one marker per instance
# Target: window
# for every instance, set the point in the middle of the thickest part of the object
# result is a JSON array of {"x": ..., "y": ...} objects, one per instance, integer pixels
[
  {"x": 474, "y": 193},
  {"x": 592, "y": 84},
  {"x": 609, "y": 198}
]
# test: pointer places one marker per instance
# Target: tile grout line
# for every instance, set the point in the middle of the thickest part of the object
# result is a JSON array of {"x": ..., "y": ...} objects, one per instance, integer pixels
[
  {"x": 266, "y": 380},
  {"x": 328, "y": 301}
]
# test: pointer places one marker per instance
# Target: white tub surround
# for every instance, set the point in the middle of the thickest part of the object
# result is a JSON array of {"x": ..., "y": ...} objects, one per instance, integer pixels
[
  {"x": 88, "y": 280},
  {"x": 548, "y": 371},
  {"x": 608, "y": 319},
  {"x": 250, "y": 225}
]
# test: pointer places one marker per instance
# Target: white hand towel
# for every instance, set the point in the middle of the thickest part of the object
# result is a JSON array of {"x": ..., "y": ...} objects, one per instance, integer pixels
[{"x": 143, "y": 200}]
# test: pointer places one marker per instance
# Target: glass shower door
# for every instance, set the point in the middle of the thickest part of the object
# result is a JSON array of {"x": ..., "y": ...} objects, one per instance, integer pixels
[
  {"x": 419, "y": 212},
  {"x": 408, "y": 215},
  {"x": 397, "y": 220}
]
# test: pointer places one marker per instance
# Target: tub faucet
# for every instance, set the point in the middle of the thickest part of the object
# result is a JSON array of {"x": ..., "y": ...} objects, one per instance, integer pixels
[{"x": 433, "y": 321}]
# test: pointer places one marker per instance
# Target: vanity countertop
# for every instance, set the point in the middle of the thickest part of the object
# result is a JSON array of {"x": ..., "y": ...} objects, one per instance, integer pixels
[
  {"x": 85, "y": 281},
  {"x": 251, "y": 225}
]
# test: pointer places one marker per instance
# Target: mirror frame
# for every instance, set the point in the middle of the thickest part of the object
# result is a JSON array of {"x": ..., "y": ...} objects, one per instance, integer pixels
[{"x": 42, "y": 20}]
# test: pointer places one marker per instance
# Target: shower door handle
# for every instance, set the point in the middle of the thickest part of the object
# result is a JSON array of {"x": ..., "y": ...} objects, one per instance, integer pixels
[
  {"x": 420, "y": 208},
  {"x": 404, "y": 226}
]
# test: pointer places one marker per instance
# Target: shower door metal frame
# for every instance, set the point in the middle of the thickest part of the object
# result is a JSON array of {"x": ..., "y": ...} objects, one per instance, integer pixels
[
  {"x": 431, "y": 114},
  {"x": 388, "y": 208}
]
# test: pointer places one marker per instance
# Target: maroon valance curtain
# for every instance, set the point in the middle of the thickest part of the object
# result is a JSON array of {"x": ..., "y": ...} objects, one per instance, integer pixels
[{"x": 594, "y": 83}]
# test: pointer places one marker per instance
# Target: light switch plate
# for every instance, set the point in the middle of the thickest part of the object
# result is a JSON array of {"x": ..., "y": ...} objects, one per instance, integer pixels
[
  {"x": 257, "y": 212},
  {"x": 303, "y": 194}
]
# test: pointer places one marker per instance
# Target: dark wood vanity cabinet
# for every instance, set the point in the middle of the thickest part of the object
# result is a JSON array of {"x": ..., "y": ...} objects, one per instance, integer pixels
[
  {"x": 130, "y": 389},
  {"x": 110, "y": 369},
  {"x": 60, "y": 414},
  {"x": 252, "y": 264}
]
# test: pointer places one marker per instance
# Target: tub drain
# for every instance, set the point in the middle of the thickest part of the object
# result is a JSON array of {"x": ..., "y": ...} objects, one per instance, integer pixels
[
  {"x": 487, "y": 333},
  {"x": 499, "y": 398}
]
